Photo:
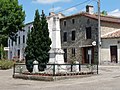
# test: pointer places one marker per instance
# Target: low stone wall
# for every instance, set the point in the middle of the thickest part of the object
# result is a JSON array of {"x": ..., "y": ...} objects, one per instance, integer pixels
[{"x": 52, "y": 78}]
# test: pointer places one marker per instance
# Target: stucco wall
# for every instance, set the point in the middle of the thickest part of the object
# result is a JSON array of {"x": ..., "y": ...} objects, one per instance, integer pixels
[{"x": 105, "y": 49}]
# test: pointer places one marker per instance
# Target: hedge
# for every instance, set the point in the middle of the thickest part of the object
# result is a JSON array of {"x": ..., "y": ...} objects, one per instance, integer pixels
[{"x": 6, "y": 64}]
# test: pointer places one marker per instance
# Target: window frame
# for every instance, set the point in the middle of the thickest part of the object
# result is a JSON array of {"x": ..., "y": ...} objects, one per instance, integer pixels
[
  {"x": 19, "y": 40},
  {"x": 73, "y": 52},
  {"x": 64, "y": 22},
  {"x": 88, "y": 33},
  {"x": 23, "y": 38},
  {"x": 65, "y": 54},
  {"x": 73, "y": 35},
  {"x": 64, "y": 36},
  {"x": 73, "y": 21}
]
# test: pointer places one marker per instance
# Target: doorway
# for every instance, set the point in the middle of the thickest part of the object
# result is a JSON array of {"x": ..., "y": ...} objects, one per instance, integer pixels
[
  {"x": 113, "y": 52},
  {"x": 88, "y": 55}
]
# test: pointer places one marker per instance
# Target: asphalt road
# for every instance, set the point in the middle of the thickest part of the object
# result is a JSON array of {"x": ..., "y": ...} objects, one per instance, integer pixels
[{"x": 107, "y": 79}]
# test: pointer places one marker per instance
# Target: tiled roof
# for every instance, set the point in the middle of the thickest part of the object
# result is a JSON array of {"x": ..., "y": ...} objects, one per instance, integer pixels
[
  {"x": 109, "y": 19},
  {"x": 115, "y": 34},
  {"x": 104, "y": 18}
]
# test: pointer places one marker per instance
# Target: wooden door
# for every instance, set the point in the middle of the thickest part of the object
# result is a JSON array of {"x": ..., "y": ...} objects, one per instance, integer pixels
[
  {"x": 113, "y": 52},
  {"x": 88, "y": 55}
]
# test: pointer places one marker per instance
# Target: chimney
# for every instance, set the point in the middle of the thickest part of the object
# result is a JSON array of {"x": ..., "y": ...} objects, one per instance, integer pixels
[{"x": 89, "y": 9}]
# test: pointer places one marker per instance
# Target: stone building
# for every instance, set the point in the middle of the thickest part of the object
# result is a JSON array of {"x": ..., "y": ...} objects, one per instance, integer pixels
[{"x": 79, "y": 35}]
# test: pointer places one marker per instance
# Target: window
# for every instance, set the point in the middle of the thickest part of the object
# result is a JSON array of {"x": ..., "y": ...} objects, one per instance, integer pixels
[
  {"x": 65, "y": 36},
  {"x": 15, "y": 40},
  {"x": 73, "y": 35},
  {"x": 11, "y": 42},
  {"x": 64, "y": 23},
  {"x": 73, "y": 21},
  {"x": 19, "y": 40},
  {"x": 23, "y": 38},
  {"x": 88, "y": 33},
  {"x": 88, "y": 21},
  {"x": 18, "y": 53},
  {"x": 28, "y": 27},
  {"x": 73, "y": 51},
  {"x": 65, "y": 55}
]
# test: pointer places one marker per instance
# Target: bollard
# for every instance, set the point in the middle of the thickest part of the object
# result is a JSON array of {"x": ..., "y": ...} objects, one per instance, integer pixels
[{"x": 35, "y": 67}]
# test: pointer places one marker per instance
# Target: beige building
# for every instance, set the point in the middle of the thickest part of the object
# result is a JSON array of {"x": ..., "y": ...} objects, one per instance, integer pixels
[{"x": 110, "y": 48}]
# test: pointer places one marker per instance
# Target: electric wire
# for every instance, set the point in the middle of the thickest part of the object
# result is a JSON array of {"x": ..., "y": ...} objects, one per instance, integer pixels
[{"x": 75, "y": 5}]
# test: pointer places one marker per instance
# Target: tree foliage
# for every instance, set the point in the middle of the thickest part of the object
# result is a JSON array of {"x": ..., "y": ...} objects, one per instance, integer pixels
[
  {"x": 11, "y": 18},
  {"x": 104, "y": 13},
  {"x": 38, "y": 42}
]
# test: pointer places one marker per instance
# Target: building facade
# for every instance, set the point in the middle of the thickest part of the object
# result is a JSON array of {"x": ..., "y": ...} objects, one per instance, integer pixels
[
  {"x": 79, "y": 34},
  {"x": 110, "y": 48},
  {"x": 16, "y": 49}
]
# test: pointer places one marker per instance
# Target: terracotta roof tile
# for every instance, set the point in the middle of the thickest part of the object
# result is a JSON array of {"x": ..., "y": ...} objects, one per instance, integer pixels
[
  {"x": 115, "y": 34},
  {"x": 104, "y": 18},
  {"x": 109, "y": 19}
]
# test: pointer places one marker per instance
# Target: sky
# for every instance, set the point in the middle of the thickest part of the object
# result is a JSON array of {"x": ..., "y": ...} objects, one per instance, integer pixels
[{"x": 75, "y": 6}]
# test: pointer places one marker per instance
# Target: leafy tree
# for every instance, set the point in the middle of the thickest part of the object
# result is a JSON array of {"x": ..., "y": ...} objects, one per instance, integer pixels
[
  {"x": 38, "y": 42},
  {"x": 104, "y": 13},
  {"x": 11, "y": 19}
]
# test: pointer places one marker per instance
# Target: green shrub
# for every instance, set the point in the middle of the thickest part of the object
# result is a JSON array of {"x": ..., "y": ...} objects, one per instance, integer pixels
[{"x": 6, "y": 64}]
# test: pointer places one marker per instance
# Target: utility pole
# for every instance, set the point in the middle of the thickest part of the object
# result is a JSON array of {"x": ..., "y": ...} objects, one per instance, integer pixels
[{"x": 99, "y": 36}]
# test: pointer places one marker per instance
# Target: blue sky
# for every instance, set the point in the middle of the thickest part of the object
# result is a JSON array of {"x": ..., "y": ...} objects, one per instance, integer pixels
[{"x": 111, "y": 6}]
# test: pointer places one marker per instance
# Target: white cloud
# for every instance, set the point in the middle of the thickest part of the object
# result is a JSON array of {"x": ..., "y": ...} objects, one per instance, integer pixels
[
  {"x": 70, "y": 10},
  {"x": 49, "y": 1},
  {"x": 55, "y": 9},
  {"x": 115, "y": 12}
]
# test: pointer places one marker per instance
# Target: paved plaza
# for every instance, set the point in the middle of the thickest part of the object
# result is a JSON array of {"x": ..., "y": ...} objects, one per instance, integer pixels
[{"x": 107, "y": 79}]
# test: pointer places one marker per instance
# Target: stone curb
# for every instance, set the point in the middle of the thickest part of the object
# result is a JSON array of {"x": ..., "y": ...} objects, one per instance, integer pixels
[{"x": 48, "y": 78}]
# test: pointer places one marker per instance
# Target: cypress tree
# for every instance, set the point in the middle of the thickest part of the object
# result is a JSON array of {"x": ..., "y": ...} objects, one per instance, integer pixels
[
  {"x": 46, "y": 41},
  {"x": 38, "y": 42}
]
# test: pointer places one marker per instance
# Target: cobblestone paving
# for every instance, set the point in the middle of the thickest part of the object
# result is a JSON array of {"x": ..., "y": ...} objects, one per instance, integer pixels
[{"x": 108, "y": 79}]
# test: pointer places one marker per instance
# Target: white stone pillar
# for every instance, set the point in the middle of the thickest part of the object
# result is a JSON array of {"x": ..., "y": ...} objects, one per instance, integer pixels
[
  {"x": 77, "y": 66},
  {"x": 56, "y": 53}
]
